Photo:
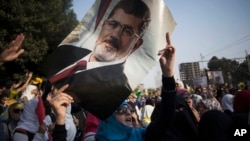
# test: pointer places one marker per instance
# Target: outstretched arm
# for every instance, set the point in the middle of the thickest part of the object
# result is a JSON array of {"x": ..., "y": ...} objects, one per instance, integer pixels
[
  {"x": 27, "y": 82},
  {"x": 13, "y": 51},
  {"x": 59, "y": 104},
  {"x": 164, "y": 113},
  {"x": 168, "y": 94}
]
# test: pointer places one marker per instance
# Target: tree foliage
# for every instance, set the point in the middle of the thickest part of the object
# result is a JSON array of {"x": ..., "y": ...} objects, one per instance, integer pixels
[
  {"x": 233, "y": 71},
  {"x": 45, "y": 23}
]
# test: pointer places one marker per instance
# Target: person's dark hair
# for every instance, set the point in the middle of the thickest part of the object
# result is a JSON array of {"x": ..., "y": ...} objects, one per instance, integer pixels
[
  {"x": 150, "y": 101},
  {"x": 2, "y": 84},
  {"x": 232, "y": 91},
  {"x": 6, "y": 93},
  {"x": 46, "y": 88},
  {"x": 9, "y": 84},
  {"x": 2, "y": 96},
  {"x": 198, "y": 90},
  {"x": 137, "y": 8}
]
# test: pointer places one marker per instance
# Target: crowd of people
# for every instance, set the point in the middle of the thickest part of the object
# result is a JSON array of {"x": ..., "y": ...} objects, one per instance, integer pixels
[
  {"x": 176, "y": 113},
  {"x": 36, "y": 110},
  {"x": 25, "y": 109}
]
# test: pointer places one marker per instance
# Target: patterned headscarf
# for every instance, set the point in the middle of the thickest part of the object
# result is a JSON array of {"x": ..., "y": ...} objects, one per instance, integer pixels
[{"x": 211, "y": 104}]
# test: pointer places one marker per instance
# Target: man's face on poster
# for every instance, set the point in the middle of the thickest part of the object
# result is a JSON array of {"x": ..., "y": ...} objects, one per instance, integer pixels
[{"x": 118, "y": 38}]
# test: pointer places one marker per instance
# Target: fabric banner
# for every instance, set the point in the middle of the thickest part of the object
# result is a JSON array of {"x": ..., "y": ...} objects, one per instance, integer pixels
[{"x": 118, "y": 52}]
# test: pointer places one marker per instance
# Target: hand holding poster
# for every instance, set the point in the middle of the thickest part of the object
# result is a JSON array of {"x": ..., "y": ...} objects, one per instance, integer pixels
[{"x": 117, "y": 41}]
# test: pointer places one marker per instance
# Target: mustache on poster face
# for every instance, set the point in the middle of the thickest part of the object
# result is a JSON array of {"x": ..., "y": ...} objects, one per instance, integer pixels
[{"x": 113, "y": 42}]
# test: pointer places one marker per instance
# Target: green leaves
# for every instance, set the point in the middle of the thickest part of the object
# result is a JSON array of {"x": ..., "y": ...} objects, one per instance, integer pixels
[
  {"x": 45, "y": 23},
  {"x": 231, "y": 69}
]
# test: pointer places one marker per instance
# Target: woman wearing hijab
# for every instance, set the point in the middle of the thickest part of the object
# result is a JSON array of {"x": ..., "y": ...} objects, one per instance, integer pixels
[
  {"x": 227, "y": 103},
  {"x": 119, "y": 126},
  {"x": 29, "y": 93},
  {"x": 215, "y": 125},
  {"x": 172, "y": 119}
]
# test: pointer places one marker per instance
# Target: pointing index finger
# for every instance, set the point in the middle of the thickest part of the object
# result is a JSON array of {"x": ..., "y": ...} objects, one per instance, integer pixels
[
  {"x": 168, "y": 39},
  {"x": 62, "y": 88}
]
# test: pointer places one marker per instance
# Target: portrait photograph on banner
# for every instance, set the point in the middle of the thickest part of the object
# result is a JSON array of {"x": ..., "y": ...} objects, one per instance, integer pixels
[{"x": 110, "y": 52}]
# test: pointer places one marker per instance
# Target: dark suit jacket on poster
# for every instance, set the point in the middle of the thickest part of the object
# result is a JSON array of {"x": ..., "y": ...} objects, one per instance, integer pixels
[{"x": 99, "y": 90}]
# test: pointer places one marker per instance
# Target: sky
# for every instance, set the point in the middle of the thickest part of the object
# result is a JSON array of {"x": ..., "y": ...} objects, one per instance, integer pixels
[{"x": 205, "y": 28}]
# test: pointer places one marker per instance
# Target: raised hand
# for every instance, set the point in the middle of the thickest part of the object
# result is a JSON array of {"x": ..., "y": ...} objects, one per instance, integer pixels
[
  {"x": 167, "y": 58},
  {"x": 59, "y": 103},
  {"x": 13, "y": 51}
]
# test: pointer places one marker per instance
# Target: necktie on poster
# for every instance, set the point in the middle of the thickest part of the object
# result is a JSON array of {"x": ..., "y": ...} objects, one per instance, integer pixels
[
  {"x": 81, "y": 65},
  {"x": 101, "y": 90}
]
